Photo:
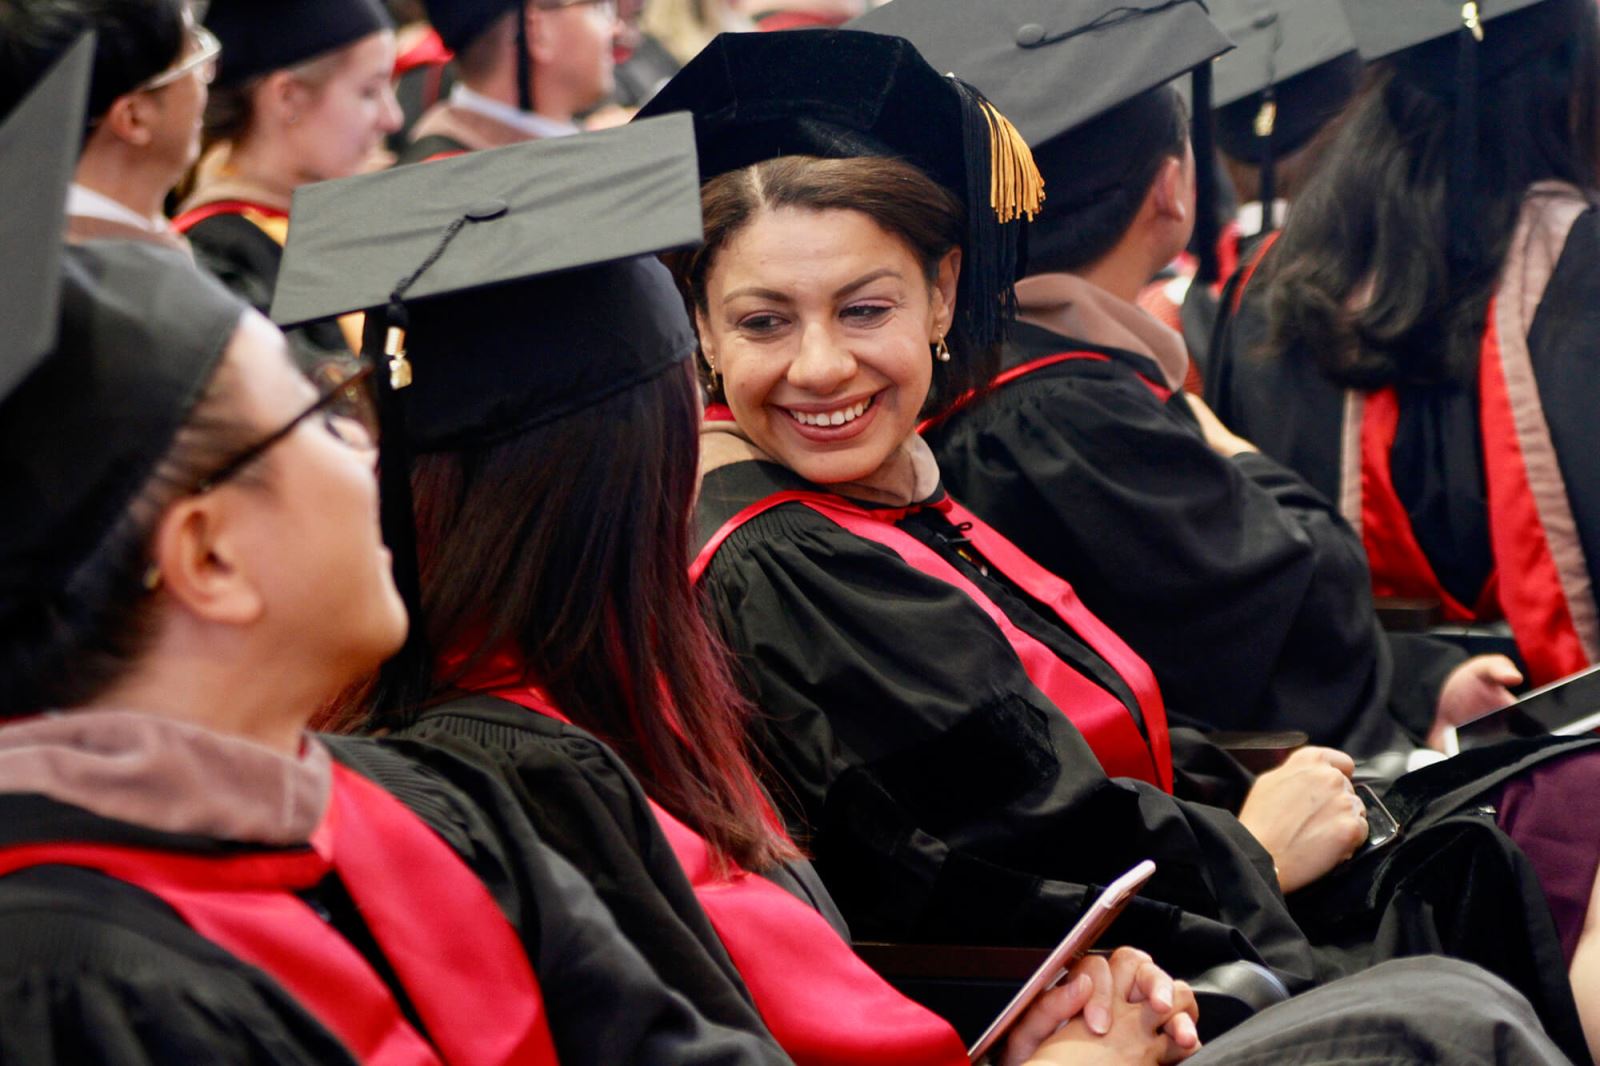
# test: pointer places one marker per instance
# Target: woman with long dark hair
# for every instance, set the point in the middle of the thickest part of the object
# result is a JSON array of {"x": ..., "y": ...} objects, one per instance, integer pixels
[
  {"x": 1418, "y": 342},
  {"x": 964, "y": 746},
  {"x": 552, "y": 461}
]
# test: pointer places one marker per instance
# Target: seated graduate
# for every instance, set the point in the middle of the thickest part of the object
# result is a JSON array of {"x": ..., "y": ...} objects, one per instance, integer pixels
[
  {"x": 302, "y": 94},
  {"x": 152, "y": 65},
  {"x": 1416, "y": 342},
  {"x": 1244, "y": 591},
  {"x": 1272, "y": 99},
  {"x": 191, "y": 566},
  {"x": 551, "y": 424},
  {"x": 963, "y": 744},
  {"x": 524, "y": 71}
]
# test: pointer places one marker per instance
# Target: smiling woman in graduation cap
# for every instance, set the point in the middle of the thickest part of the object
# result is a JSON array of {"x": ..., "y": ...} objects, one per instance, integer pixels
[
  {"x": 547, "y": 413},
  {"x": 191, "y": 565},
  {"x": 966, "y": 748},
  {"x": 1418, "y": 343}
]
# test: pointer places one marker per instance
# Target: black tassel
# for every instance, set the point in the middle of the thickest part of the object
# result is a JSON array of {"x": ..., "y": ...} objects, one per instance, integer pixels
[
  {"x": 1266, "y": 126},
  {"x": 1206, "y": 227},
  {"x": 1463, "y": 176},
  {"x": 524, "y": 63}
]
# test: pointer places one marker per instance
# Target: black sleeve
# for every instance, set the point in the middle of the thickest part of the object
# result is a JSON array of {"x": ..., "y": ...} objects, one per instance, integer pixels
[
  {"x": 606, "y": 1003},
  {"x": 944, "y": 798},
  {"x": 587, "y": 806},
  {"x": 1241, "y": 587},
  {"x": 96, "y": 971}
]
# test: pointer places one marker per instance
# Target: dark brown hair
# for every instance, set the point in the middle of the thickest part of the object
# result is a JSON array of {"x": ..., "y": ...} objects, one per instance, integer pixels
[
  {"x": 570, "y": 543},
  {"x": 900, "y": 198},
  {"x": 1379, "y": 218}
]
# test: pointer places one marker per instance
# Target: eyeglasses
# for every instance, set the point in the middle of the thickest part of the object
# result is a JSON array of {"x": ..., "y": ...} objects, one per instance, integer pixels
[
  {"x": 203, "y": 59},
  {"x": 346, "y": 413}
]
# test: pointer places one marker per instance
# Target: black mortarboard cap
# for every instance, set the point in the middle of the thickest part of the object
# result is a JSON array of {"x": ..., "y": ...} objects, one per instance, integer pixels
[
  {"x": 460, "y": 22},
  {"x": 845, "y": 93},
  {"x": 108, "y": 347},
  {"x": 1295, "y": 68},
  {"x": 38, "y": 155},
  {"x": 261, "y": 36},
  {"x": 1051, "y": 66},
  {"x": 1079, "y": 78},
  {"x": 506, "y": 288},
  {"x": 1384, "y": 27}
]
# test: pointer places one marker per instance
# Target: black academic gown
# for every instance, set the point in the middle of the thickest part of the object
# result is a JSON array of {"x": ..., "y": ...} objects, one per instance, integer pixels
[
  {"x": 1242, "y": 587},
  {"x": 98, "y": 971},
  {"x": 245, "y": 258},
  {"x": 1293, "y": 412},
  {"x": 945, "y": 799},
  {"x": 588, "y": 807}
]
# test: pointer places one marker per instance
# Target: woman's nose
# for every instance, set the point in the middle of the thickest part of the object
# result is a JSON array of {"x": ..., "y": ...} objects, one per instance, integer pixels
[{"x": 823, "y": 364}]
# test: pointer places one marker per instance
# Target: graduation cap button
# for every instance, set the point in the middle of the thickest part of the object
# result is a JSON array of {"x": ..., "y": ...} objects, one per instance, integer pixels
[
  {"x": 1029, "y": 34},
  {"x": 486, "y": 210}
]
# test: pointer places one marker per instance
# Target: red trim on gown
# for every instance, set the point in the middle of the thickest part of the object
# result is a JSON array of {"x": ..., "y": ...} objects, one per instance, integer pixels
[
  {"x": 1106, "y": 725},
  {"x": 461, "y": 964},
  {"x": 1525, "y": 587},
  {"x": 1005, "y": 377},
  {"x": 193, "y": 217},
  {"x": 823, "y": 1004}
]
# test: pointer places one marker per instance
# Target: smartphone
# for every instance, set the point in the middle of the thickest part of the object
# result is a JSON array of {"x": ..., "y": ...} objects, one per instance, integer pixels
[
  {"x": 1073, "y": 947},
  {"x": 1566, "y": 707}
]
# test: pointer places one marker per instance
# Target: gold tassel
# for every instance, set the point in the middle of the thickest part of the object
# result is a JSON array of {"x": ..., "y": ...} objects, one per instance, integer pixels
[
  {"x": 394, "y": 346},
  {"x": 1266, "y": 118},
  {"x": 1016, "y": 188},
  {"x": 1471, "y": 20}
]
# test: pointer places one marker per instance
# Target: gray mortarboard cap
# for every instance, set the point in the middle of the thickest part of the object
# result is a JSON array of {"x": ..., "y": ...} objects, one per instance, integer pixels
[
  {"x": 38, "y": 154},
  {"x": 1384, "y": 27},
  {"x": 1276, "y": 41},
  {"x": 506, "y": 288},
  {"x": 1051, "y": 66},
  {"x": 108, "y": 347}
]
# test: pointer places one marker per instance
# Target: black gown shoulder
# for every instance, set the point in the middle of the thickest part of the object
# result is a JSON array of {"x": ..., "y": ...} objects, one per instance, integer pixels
[
  {"x": 943, "y": 796},
  {"x": 1240, "y": 585},
  {"x": 586, "y": 805},
  {"x": 606, "y": 1003},
  {"x": 246, "y": 259}
]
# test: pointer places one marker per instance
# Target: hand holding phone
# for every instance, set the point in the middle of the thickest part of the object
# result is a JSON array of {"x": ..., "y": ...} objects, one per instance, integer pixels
[{"x": 1072, "y": 947}]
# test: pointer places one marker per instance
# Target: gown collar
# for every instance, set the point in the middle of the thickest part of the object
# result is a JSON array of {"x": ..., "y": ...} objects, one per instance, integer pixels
[
  {"x": 1068, "y": 305},
  {"x": 167, "y": 775}
]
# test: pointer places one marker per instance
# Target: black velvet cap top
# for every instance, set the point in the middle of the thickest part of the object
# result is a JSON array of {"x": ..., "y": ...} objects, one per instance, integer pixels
[
  {"x": 514, "y": 273},
  {"x": 261, "y": 36},
  {"x": 109, "y": 345},
  {"x": 848, "y": 94},
  {"x": 1052, "y": 66},
  {"x": 460, "y": 22}
]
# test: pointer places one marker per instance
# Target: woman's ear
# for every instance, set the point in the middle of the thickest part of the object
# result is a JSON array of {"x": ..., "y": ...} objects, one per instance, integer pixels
[
  {"x": 708, "y": 345},
  {"x": 200, "y": 564},
  {"x": 945, "y": 280},
  {"x": 282, "y": 97}
]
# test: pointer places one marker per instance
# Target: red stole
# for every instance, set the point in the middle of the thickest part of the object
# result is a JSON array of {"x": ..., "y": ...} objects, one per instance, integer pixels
[
  {"x": 1525, "y": 587},
  {"x": 1105, "y": 723},
  {"x": 823, "y": 1004},
  {"x": 461, "y": 964},
  {"x": 188, "y": 220}
]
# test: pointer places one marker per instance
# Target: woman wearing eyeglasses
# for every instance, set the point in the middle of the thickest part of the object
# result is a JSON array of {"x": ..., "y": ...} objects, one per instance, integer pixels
[
  {"x": 526, "y": 69},
  {"x": 302, "y": 94}
]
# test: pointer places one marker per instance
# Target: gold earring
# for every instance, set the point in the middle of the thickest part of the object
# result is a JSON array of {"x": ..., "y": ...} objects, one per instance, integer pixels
[
  {"x": 151, "y": 579},
  {"x": 941, "y": 351},
  {"x": 711, "y": 368}
]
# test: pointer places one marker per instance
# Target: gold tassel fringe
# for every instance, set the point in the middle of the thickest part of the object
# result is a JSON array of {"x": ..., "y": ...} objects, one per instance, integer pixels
[{"x": 1016, "y": 188}]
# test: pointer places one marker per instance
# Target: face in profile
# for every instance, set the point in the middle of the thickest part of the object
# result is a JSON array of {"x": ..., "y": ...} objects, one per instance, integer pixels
[
  {"x": 820, "y": 325},
  {"x": 309, "y": 528},
  {"x": 341, "y": 126},
  {"x": 577, "y": 50}
]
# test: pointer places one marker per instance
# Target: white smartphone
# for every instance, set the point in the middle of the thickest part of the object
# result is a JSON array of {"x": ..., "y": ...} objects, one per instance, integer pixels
[{"x": 1073, "y": 947}]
